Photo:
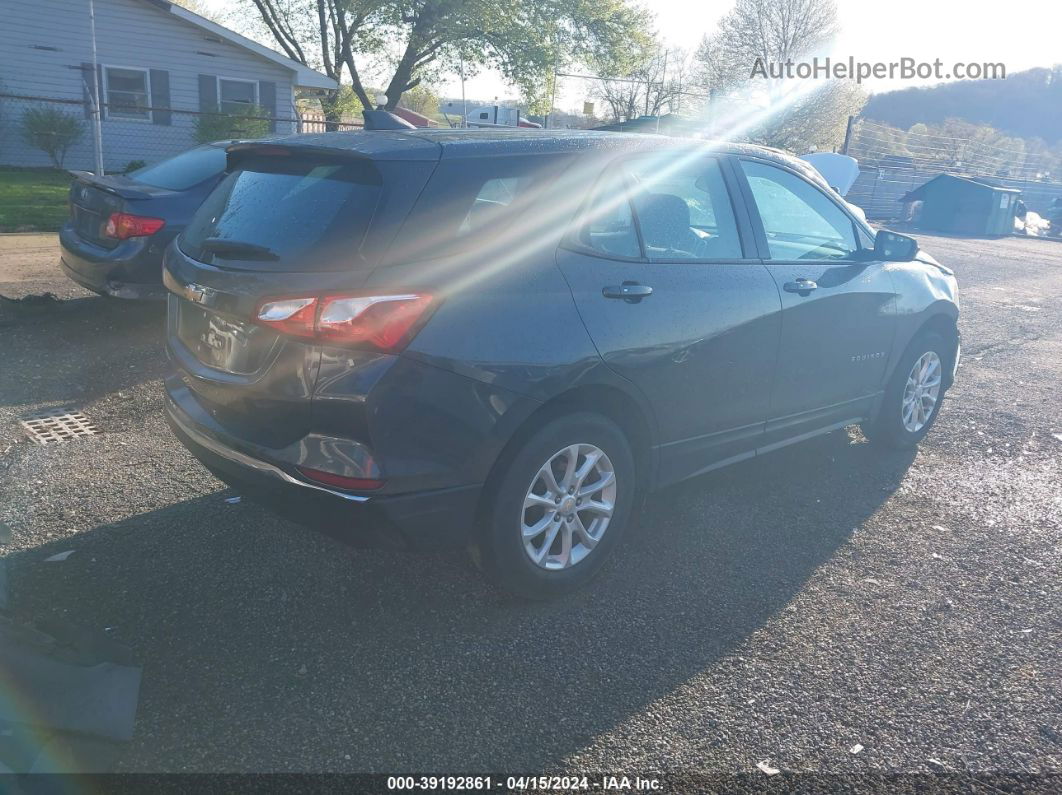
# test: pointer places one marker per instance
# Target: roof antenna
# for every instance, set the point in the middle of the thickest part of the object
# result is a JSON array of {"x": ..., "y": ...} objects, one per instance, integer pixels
[{"x": 381, "y": 119}]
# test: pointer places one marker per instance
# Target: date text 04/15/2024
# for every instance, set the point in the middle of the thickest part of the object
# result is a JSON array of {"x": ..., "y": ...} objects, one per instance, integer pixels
[{"x": 522, "y": 783}]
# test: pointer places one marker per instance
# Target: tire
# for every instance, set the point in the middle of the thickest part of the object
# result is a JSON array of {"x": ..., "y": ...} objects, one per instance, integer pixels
[
  {"x": 893, "y": 427},
  {"x": 501, "y": 550}
]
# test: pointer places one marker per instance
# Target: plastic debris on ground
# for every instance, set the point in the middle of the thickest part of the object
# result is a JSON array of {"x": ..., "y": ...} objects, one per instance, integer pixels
[{"x": 765, "y": 766}]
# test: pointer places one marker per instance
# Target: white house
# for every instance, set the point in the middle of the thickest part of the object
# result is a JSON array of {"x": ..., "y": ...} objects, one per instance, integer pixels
[{"x": 159, "y": 67}]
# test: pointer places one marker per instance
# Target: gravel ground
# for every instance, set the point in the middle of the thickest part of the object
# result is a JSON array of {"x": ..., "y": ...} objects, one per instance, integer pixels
[{"x": 787, "y": 609}]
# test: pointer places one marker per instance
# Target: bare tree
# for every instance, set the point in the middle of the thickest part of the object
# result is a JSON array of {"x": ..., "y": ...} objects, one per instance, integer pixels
[
  {"x": 659, "y": 82},
  {"x": 771, "y": 31},
  {"x": 790, "y": 114},
  {"x": 324, "y": 34}
]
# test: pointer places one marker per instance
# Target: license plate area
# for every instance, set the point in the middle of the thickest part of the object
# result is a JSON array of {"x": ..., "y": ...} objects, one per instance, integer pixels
[
  {"x": 221, "y": 342},
  {"x": 87, "y": 223}
]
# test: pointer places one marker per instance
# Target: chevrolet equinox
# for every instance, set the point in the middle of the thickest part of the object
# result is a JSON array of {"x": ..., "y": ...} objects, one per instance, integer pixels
[{"x": 503, "y": 339}]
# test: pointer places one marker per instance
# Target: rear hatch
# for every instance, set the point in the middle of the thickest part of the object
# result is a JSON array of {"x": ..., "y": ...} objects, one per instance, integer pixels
[{"x": 282, "y": 223}]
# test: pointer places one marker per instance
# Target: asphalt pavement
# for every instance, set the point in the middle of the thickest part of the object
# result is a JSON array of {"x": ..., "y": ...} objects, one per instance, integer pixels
[{"x": 785, "y": 610}]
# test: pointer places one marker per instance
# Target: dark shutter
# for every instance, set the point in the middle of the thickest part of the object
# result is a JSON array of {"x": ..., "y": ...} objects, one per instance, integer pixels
[
  {"x": 267, "y": 98},
  {"x": 208, "y": 94},
  {"x": 88, "y": 89},
  {"x": 160, "y": 97}
]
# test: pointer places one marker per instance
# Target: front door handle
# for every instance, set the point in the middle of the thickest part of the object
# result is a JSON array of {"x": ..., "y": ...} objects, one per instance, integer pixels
[
  {"x": 631, "y": 292},
  {"x": 801, "y": 286}
]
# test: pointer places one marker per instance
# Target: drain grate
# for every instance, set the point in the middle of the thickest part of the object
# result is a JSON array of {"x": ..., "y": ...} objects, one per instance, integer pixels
[{"x": 57, "y": 425}]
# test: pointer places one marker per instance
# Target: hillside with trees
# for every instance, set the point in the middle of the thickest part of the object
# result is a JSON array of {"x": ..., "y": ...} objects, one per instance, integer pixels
[{"x": 1025, "y": 105}]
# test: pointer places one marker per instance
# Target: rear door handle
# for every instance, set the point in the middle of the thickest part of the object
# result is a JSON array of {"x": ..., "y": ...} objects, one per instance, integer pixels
[
  {"x": 632, "y": 292},
  {"x": 801, "y": 286}
]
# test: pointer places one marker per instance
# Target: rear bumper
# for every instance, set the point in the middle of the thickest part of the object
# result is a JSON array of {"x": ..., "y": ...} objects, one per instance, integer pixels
[
  {"x": 133, "y": 269},
  {"x": 429, "y": 519}
]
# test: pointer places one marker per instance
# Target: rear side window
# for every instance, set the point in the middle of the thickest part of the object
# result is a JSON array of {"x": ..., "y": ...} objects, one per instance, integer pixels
[
  {"x": 680, "y": 203},
  {"x": 607, "y": 226},
  {"x": 184, "y": 171},
  {"x": 476, "y": 203},
  {"x": 286, "y": 214}
]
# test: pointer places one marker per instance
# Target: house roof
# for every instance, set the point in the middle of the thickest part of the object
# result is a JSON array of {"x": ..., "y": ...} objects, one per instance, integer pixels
[{"x": 305, "y": 77}]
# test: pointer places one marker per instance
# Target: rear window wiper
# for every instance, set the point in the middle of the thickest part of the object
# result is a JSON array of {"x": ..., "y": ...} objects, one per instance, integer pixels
[{"x": 237, "y": 249}]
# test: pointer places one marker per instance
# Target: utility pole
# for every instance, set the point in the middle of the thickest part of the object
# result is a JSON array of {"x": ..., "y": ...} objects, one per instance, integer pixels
[
  {"x": 553, "y": 96},
  {"x": 663, "y": 85},
  {"x": 97, "y": 132},
  {"x": 847, "y": 135},
  {"x": 464, "y": 106}
]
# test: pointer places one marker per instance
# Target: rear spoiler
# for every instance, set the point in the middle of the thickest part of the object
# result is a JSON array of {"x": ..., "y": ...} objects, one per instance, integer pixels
[
  {"x": 110, "y": 185},
  {"x": 237, "y": 152}
]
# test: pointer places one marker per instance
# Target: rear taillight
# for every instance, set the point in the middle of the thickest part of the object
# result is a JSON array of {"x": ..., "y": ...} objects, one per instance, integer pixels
[
  {"x": 380, "y": 322},
  {"x": 122, "y": 226}
]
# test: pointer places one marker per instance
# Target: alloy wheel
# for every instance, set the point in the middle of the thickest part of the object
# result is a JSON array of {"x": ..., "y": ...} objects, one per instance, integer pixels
[
  {"x": 922, "y": 391},
  {"x": 568, "y": 506}
]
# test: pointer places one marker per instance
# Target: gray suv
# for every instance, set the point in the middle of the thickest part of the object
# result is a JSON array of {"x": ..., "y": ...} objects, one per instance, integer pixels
[{"x": 503, "y": 339}]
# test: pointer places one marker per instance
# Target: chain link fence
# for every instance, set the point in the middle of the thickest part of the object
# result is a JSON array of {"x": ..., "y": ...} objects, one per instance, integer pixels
[
  {"x": 893, "y": 162},
  {"x": 41, "y": 132}
]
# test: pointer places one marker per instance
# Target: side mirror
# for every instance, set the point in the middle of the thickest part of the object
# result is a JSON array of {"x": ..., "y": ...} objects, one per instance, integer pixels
[{"x": 894, "y": 247}]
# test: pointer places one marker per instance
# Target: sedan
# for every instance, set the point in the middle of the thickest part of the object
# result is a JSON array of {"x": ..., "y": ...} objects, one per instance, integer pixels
[{"x": 120, "y": 225}]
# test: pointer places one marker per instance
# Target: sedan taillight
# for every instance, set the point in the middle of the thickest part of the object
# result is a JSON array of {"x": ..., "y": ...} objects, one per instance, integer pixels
[
  {"x": 381, "y": 322},
  {"x": 122, "y": 226}
]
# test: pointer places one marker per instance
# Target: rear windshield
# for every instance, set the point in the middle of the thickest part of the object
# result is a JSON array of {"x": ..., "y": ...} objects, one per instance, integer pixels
[
  {"x": 185, "y": 170},
  {"x": 281, "y": 213}
]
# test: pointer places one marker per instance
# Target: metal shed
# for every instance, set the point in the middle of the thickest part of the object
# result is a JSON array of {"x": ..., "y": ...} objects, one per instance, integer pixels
[{"x": 965, "y": 206}]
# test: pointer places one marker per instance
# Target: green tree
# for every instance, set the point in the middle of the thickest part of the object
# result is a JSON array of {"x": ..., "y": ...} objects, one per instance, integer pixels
[
  {"x": 524, "y": 39},
  {"x": 52, "y": 131},
  {"x": 421, "y": 99}
]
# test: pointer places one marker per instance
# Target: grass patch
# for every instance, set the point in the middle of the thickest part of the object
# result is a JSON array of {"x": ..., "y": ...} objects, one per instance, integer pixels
[{"x": 33, "y": 199}]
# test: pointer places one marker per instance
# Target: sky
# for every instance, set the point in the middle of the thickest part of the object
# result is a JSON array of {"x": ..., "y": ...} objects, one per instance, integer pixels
[{"x": 1019, "y": 35}]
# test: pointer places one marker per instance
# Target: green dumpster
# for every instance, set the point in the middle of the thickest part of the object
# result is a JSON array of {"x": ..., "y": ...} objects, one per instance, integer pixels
[{"x": 965, "y": 206}]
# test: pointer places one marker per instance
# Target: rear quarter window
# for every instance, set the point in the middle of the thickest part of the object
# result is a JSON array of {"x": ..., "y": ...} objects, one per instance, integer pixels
[
  {"x": 474, "y": 203},
  {"x": 289, "y": 214}
]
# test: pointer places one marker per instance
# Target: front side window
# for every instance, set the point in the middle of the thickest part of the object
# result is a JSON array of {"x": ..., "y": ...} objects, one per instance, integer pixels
[
  {"x": 127, "y": 93},
  {"x": 237, "y": 96},
  {"x": 799, "y": 220}
]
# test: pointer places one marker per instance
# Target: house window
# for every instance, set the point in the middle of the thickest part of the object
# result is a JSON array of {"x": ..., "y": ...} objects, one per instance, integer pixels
[
  {"x": 127, "y": 93},
  {"x": 237, "y": 96}
]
